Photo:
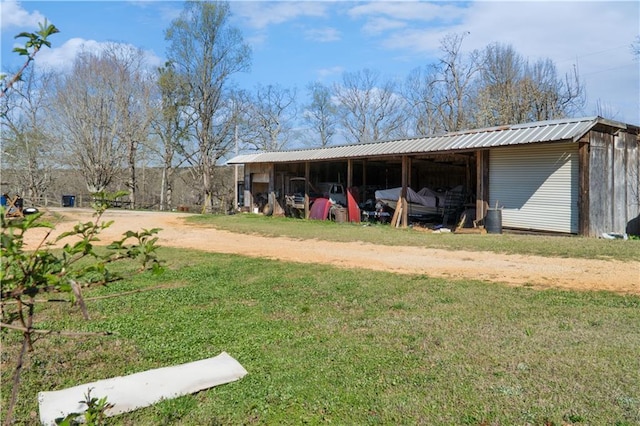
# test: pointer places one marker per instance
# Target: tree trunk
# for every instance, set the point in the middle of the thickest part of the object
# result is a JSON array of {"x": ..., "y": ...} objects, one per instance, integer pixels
[
  {"x": 169, "y": 189},
  {"x": 132, "y": 182},
  {"x": 163, "y": 185},
  {"x": 207, "y": 206}
]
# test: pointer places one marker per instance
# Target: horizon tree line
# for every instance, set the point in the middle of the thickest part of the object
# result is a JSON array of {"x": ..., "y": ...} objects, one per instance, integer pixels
[{"x": 110, "y": 113}]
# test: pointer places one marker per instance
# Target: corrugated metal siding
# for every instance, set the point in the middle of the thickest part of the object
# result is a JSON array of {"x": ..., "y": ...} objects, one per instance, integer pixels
[
  {"x": 542, "y": 131},
  {"x": 537, "y": 186}
]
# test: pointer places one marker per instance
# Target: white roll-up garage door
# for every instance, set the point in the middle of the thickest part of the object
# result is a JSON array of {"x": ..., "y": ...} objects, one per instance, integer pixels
[{"x": 537, "y": 186}]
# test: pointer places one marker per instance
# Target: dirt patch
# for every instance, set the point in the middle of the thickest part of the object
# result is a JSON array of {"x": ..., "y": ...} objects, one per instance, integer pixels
[{"x": 535, "y": 271}]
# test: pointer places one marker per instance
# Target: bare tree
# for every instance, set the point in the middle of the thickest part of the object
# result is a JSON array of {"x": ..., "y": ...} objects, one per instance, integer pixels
[
  {"x": 86, "y": 120},
  {"x": 552, "y": 96},
  {"x": 488, "y": 88},
  {"x": 422, "y": 109},
  {"x": 170, "y": 125},
  {"x": 27, "y": 151},
  {"x": 321, "y": 113},
  {"x": 270, "y": 117},
  {"x": 208, "y": 51},
  {"x": 370, "y": 109},
  {"x": 131, "y": 88},
  {"x": 499, "y": 98},
  {"x": 453, "y": 87},
  {"x": 606, "y": 110},
  {"x": 511, "y": 90}
]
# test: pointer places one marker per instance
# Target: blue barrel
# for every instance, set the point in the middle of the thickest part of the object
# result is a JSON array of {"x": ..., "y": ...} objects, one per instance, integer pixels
[
  {"x": 68, "y": 200},
  {"x": 493, "y": 221}
]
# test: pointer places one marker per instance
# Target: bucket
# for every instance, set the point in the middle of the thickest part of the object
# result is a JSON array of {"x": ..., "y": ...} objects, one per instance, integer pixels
[
  {"x": 493, "y": 221},
  {"x": 340, "y": 214}
]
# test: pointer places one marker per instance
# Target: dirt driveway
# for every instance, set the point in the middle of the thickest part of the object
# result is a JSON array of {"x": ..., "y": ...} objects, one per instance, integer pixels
[{"x": 539, "y": 272}]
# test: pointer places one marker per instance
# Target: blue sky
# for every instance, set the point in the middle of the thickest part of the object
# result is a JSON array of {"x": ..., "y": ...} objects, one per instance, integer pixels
[{"x": 297, "y": 42}]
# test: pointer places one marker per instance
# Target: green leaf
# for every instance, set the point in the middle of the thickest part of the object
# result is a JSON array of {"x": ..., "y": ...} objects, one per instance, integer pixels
[
  {"x": 24, "y": 34},
  {"x": 21, "y": 51}
]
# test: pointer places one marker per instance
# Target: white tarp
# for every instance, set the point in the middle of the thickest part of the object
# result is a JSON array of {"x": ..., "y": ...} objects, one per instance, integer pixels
[
  {"x": 426, "y": 197},
  {"x": 128, "y": 393}
]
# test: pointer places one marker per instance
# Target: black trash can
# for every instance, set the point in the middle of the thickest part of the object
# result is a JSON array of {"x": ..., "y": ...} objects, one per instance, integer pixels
[
  {"x": 493, "y": 221},
  {"x": 68, "y": 201}
]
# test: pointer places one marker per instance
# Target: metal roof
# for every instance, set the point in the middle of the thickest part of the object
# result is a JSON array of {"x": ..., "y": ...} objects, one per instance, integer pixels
[{"x": 517, "y": 134}]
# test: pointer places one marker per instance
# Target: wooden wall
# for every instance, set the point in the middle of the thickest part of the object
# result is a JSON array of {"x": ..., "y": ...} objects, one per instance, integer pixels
[
  {"x": 613, "y": 183},
  {"x": 258, "y": 180}
]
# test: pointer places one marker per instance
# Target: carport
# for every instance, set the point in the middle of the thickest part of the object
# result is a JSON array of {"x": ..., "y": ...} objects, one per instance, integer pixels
[{"x": 572, "y": 176}]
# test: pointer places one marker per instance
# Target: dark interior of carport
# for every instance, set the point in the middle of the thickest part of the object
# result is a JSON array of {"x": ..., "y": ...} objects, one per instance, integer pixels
[{"x": 438, "y": 172}]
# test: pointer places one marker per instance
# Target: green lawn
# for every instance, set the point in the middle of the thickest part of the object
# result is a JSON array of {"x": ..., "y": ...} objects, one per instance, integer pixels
[{"x": 325, "y": 345}]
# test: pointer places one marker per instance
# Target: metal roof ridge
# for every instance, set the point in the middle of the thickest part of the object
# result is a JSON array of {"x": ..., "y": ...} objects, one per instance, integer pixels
[
  {"x": 554, "y": 122},
  {"x": 516, "y": 126}
]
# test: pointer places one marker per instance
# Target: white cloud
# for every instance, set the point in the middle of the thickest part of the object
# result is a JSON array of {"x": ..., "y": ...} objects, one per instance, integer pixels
[
  {"x": 409, "y": 25},
  {"x": 259, "y": 15},
  {"x": 408, "y": 11},
  {"x": 556, "y": 30},
  {"x": 593, "y": 36},
  {"x": 13, "y": 16},
  {"x": 566, "y": 29},
  {"x": 61, "y": 58},
  {"x": 419, "y": 41},
  {"x": 169, "y": 13},
  {"x": 322, "y": 35},
  {"x": 256, "y": 39},
  {"x": 329, "y": 72},
  {"x": 381, "y": 25}
]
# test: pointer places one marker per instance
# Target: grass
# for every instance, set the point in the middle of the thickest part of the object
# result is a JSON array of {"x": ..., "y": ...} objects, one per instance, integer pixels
[
  {"x": 541, "y": 245},
  {"x": 325, "y": 345}
]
